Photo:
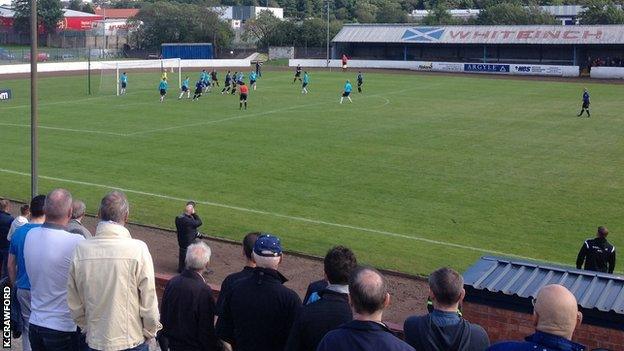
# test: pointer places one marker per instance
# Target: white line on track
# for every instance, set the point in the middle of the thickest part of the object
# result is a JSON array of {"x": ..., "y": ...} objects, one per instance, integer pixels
[
  {"x": 279, "y": 215},
  {"x": 64, "y": 129}
]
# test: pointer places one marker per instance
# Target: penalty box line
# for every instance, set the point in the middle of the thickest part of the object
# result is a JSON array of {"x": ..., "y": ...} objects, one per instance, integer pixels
[{"x": 279, "y": 215}]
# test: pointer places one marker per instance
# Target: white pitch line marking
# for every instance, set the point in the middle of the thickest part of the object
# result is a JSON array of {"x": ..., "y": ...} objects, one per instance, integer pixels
[
  {"x": 64, "y": 129},
  {"x": 279, "y": 215}
]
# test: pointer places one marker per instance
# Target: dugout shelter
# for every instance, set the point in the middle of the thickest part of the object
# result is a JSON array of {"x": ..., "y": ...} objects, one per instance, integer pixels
[{"x": 533, "y": 44}]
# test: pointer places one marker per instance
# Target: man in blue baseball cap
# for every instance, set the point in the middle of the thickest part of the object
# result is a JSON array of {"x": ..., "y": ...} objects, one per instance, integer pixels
[{"x": 258, "y": 314}]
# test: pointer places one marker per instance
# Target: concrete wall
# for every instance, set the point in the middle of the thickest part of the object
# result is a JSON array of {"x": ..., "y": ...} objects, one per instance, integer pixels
[
  {"x": 97, "y": 65},
  {"x": 494, "y": 68},
  {"x": 607, "y": 72}
]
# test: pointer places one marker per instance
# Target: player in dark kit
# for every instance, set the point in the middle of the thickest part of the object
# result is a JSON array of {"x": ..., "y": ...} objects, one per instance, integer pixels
[
  {"x": 215, "y": 79},
  {"x": 234, "y": 82},
  {"x": 585, "y": 103},
  {"x": 597, "y": 254},
  {"x": 199, "y": 88},
  {"x": 244, "y": 91},
  {"x": 228, "y": 82},
  {"x": 297, "y": 74},
  {"x": 360, "y": 81}
]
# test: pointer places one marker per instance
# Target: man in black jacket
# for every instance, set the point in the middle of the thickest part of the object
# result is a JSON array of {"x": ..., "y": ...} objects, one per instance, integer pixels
[
  {"x": 332, "y": 309},
  {"x": 188, "y": 309},
  {"x": 186, "y": 226},
  {"x": 443, "y": 329},
  {"x": 598, "y": 254},
  {"x": 259, "y": 313},
  {"x": 231, "y": 280},
  {"x": 5, "y": 225}
]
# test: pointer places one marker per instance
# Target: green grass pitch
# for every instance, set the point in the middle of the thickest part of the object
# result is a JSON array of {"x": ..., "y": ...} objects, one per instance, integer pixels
[{"x": 420, "y": 171}]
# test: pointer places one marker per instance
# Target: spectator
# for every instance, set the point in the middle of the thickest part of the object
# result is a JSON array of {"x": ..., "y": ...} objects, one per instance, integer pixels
[
  {"x": 17, "y": 265},
  {"x": 369, "y": 297},
  {"x": 116, "y": 306},
  {"x": 186, "y": 226},
  {"x": 598, "y": 254},
  {"x": 555, "y": 316},
  {"x": 231, "y": 280},
  {"x": 332, "y": 309},
  {"x": 47, "y": 252},
  {"x": 188, "y": 306},
  {"x": 259, "y": 313},
  {"x": 19, "y": 220},
  {"x": 444, "y": 329},
  {"x": 5, "y": 224},
  {"x": 75, "y": 225}
]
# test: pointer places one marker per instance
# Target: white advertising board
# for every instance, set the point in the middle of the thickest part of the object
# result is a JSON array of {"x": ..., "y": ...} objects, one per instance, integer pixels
[
  {"x": 491, "y": 68},
  {"x": 607, "y": 72}
]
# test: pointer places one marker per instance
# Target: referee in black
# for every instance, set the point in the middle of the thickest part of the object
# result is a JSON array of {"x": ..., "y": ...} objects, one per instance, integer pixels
[
  {"x": 597, "y": 254},
  {"x": 186, "y": 226}
]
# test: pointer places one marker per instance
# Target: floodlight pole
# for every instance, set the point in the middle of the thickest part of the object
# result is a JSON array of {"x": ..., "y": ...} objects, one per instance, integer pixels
[
  {"x": 327, "y": 53},
  {"x": 34, "y": 138}
]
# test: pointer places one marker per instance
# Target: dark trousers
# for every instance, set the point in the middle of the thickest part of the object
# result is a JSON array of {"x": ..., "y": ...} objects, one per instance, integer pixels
[
  {"x": 44, "y": 339},
  {"x": 4, "y": 255},
  {"x": 181, "y": 259}
]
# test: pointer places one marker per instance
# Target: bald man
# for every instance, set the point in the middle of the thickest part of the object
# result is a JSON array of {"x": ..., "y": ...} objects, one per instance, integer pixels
[{"x": 555, "y": 317}]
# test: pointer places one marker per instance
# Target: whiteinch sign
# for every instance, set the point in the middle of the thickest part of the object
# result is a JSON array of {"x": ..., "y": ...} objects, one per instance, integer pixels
[
  {"x": 5, "y": 94},
  {"x": 612, "y": 34}
]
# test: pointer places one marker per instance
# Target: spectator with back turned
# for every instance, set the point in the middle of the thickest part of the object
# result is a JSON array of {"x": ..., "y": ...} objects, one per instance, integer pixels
[
  {"x": 443, "y": 328},
  {"x": 75, "y": 225},
  {"x": 111, "y": 290},
  {"x": 188, "y": 307},
  {"x": 259, "y": 313},
  {"x": 232, "y": 280},
  {"x": 369, "y": 297},
  {"x": 332, "y": 309},
  {"x": 597, "y": 254},
  {"x": 19, "y": 220},
  {"x": 186, "y": 226},
  {"x": 5, "y": 225},
  {"x": 555, "y": 317}
]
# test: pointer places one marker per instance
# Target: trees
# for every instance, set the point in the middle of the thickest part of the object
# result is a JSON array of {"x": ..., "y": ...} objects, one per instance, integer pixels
[
  {"x": 390, "y": 12},
  {"x": 507, "y": 13},
  {"x": 49, "y": 15},
  {"x": 163, "y": 22},
  {"x": 602, "y": 12}
]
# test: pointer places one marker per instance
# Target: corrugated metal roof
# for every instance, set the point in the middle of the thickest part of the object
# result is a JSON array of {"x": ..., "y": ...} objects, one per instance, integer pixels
[
  {"x": 593, "y": 290},
  {"x": 533, "y": 34}
]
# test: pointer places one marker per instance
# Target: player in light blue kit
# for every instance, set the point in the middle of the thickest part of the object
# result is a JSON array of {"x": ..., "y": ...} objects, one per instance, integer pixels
[
  {"x": 163, "y": 86},
  {"x": 253, "y": 76},
  {"x": 123, "y": 82},
  {"x": 347, "y": 92},
  {"x": 185, "y": 89},
  {"x": 305, "y": 82}
]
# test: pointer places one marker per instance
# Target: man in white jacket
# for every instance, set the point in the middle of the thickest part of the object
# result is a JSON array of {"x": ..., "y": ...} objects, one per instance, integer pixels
[{"x": 111, "y": 287}]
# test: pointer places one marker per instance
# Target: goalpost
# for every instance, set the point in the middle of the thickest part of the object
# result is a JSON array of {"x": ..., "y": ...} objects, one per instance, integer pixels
[{"x": 110, "y": 72}]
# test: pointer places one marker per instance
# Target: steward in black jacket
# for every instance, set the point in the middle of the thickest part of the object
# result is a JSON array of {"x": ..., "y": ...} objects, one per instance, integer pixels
[{"x": 598, "y": 254}]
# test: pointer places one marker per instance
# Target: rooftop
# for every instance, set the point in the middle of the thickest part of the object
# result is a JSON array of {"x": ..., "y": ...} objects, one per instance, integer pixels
[{"x": 511, "y": 277}]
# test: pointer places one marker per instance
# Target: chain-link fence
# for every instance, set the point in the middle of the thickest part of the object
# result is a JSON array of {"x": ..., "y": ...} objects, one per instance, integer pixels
[{"x": 21, "y": 54}]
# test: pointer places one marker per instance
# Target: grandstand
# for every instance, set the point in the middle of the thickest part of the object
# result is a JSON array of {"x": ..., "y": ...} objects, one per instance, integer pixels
[{"x": 546, "y": 45}]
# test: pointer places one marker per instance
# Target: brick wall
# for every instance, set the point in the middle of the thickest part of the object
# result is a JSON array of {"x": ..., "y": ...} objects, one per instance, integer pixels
[{"x": 502, "y": 324}]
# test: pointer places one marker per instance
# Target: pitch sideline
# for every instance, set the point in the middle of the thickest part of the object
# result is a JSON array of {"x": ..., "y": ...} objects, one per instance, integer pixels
[{"x": 279, "y": 215}]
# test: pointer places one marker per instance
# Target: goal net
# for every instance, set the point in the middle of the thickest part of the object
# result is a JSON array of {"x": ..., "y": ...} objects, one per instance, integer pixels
[{"x": 111, "y": 71}]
